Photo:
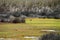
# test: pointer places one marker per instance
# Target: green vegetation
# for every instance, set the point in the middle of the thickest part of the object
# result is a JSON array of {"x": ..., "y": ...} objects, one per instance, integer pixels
[
  {"x": 33, "y": 28},
  {"x": 27, "y": 29}
]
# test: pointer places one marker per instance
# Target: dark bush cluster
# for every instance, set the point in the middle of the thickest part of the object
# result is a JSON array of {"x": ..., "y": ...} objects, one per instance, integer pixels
[{"x": 51, "y": 36}]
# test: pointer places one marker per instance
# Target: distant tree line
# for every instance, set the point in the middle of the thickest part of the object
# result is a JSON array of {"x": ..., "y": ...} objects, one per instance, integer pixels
[{"x": 19, "y": 10}]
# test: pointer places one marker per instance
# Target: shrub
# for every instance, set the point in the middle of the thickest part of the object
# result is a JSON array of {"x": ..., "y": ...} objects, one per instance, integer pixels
[
  {"x": 18, "y": 20},
  {"x": 51, "y": 36}
]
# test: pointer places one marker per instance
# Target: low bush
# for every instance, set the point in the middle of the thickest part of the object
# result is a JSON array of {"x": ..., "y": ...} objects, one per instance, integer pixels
[{"x": 51, "y": 36}]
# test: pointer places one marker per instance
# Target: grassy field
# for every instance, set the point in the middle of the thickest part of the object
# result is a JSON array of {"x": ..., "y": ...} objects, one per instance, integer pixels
[{"x": 19, "y": 30}]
